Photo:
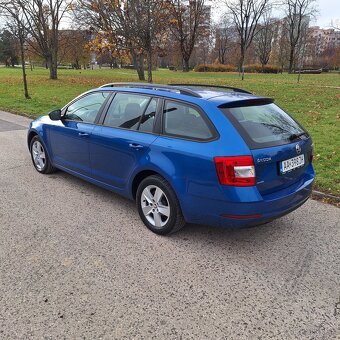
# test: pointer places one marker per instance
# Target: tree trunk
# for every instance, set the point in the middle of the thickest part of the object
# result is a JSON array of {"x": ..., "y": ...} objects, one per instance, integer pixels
[
  {"x": 185, "y": 65},
  {"x": 139, "y": 65},
  {"x": 291, "y": 59},
  {"x": 149, "y": 57},
  {"x": 299, "y": 75},
  {"x": 53, "y": 65},
  {"x": 242, "y": 65},
  {"x": 27, "y": 96}
]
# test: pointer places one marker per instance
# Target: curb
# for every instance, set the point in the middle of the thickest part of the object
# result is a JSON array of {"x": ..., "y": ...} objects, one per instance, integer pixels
[{"x": 323, "y": 195}]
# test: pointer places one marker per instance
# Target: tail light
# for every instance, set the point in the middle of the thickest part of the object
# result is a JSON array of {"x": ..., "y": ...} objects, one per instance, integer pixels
[{"x": 236, "y": 171}]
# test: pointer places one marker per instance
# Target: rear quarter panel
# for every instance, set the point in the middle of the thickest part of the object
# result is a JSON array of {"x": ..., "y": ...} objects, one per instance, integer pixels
[{"x": 189, "y": 165}]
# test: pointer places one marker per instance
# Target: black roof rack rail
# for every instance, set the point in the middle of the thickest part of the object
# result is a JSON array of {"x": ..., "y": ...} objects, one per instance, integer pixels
[
  {"x": 163, "y": 87},
  {"x": 235, "y": 89}
]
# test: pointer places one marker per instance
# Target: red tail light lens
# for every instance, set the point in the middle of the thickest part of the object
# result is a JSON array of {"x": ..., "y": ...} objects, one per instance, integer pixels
[{"x": 236, "y": 171}]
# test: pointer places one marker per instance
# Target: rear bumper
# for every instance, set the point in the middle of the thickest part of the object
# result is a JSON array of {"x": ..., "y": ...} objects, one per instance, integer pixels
[{"x": 231, "y": 214}]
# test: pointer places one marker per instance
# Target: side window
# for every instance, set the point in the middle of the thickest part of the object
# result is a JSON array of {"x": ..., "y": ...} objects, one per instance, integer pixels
[
  {"x": 86, "y": 108},
  {"x": 126, "y": 110},
  {"x": 146, "y": 124},
  {"x": 184, "y": 121}
]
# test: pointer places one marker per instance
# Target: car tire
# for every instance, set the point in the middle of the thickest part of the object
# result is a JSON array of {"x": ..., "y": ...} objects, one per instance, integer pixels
[
  {"x": 158, "y": 206},
  {"x": 39, "y": 156}
]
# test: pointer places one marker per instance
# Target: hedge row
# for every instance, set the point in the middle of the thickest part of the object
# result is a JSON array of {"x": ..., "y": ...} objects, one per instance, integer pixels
[
  {"x": 214, "y": 68},
  {"x": 254, "y": 68},
  {"x": 257, "y": 68}
]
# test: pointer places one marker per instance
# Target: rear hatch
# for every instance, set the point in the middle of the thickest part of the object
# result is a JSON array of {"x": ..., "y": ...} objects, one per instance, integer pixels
[{"x": 280, "y": 147}]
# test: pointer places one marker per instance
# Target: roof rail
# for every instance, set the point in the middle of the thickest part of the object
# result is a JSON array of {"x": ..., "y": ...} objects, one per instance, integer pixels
[
  {"x": 235, "y": 89},
  {"x": 162, "y": 87}
]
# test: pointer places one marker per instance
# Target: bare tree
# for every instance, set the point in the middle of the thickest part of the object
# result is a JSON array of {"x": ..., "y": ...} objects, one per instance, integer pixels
[
  {"x": 246, "y": 15},
  {"x": 223, "y": 39},
  {"x": 134, "y": 25},
  {"x": 42, "y": 24},
  {"x": 16, "y": 24},
  {"x": 282, "y": 49},
  {"x": 297, "y": 21},
  {"x": 109, "y": 20},
  {"x": 147, "y": 23},
  {"x": 187, "y": 17},
  {"x": 264, "y": 38}
]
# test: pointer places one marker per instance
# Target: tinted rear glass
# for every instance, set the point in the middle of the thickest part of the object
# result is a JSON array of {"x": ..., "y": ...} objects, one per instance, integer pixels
[
  {"x": 264, "y": 125},
  {"x": 185, "y": 121}
]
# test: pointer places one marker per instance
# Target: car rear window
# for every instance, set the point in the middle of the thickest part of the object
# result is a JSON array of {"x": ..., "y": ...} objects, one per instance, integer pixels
[
  {"x": 264, "y": 125},
  {"x": 184, "y": 121}
]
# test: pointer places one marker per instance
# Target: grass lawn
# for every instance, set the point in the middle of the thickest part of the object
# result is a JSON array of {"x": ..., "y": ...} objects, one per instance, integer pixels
[{"x": 315, "y": 102}]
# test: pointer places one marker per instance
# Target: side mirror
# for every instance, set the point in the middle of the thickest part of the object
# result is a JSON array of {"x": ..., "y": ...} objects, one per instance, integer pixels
[{"x": 55, "y": 114}]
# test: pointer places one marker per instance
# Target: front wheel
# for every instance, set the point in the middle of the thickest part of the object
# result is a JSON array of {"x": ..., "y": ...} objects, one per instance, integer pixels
[
  {"x": 158, "y": 206},
  {"x": 40, "y": 157}
]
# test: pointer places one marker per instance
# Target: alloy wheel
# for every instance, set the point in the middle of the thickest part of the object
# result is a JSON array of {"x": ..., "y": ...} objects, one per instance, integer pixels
[
  {"x": 38, "y": 154},
  {"x": 155, "y": 206}
]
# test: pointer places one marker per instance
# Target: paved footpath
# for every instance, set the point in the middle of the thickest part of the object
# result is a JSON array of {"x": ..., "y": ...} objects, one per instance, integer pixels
[{"x": 76, "y": 263}]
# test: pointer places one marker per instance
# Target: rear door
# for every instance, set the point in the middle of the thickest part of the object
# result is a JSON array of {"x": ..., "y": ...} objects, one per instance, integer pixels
[
  {"x": 123, "y": 140},
  {"x": 281, "y": 148},
  {"x": 69, "y": 140}
]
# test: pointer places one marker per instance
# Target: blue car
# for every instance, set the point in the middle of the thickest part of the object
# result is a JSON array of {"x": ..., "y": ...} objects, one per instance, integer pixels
[{"x": 184, "y": 153}]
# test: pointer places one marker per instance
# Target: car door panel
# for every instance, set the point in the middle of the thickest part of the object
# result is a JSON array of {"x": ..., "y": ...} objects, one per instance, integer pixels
[
  {"x": 69, "y": 143},
  {"x": 115, "y": 153},
  {"x": 117, "y": 147},
  {"x": 69, "y": 137}
]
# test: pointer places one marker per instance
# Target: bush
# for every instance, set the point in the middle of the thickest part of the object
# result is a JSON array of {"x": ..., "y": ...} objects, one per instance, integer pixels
[
  {"x": 214, "y": 68},
  {"x": 253, "y": 68},
  {"x": 257, "y": 68}
]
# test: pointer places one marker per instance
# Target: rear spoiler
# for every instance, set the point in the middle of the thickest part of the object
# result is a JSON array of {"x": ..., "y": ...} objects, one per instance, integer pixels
[{"x": 247, "y": 102}]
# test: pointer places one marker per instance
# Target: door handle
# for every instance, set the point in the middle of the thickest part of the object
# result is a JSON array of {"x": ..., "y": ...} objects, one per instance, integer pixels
[
  {"x": 135, "y": 146},
  {"x": 83, "y": 134}
]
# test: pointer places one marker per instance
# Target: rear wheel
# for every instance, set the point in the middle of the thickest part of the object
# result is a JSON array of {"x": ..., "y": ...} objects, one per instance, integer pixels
[
  {"x": 40, "y": 157},
  {"x": 158, "y": 206}
]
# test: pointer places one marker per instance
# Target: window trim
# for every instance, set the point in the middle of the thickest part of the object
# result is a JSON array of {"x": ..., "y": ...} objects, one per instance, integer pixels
[
  {"x": 214, "y": 133},
  {"x": 143, "y": 114},
  {"x": 99, "y": 113}
]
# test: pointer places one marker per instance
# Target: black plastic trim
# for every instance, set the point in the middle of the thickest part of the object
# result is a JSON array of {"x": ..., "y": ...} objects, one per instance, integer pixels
[{"x": 247, "y": 102}]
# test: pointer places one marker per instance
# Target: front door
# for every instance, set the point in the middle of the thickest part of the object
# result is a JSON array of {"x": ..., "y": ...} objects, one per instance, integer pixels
[{"x": 69, "y": 139}]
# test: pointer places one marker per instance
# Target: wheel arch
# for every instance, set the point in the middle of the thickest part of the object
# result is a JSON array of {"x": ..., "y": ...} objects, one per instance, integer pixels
[
  {"x": 30, "y": 136},
  {"x": 139, "y": 177}
]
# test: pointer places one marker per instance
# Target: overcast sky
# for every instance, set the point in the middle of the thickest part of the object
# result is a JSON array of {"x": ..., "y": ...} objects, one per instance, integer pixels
[{"x": 328, "y": 10}]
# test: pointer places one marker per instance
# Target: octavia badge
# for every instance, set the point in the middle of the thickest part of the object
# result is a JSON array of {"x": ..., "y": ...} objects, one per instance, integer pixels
[{"x": 298, "y": 148}]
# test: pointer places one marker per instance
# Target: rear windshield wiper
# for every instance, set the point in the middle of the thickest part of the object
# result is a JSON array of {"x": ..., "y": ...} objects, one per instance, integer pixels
[{"x": 296, "y": 136}]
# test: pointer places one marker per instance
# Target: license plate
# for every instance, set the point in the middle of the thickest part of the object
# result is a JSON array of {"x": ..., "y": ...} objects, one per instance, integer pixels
[{"x": 292, "y": 163}]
